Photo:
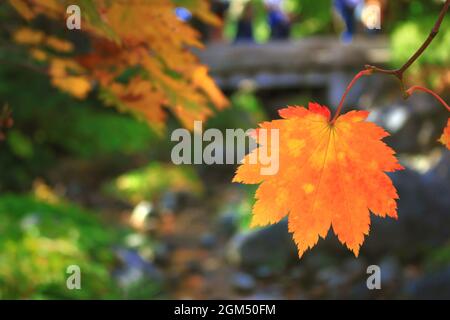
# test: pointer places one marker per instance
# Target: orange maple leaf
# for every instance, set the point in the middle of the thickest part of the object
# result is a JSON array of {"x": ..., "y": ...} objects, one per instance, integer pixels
[
  {"x": 445, "y": 138},
  {"x": 330, "y": 175}
]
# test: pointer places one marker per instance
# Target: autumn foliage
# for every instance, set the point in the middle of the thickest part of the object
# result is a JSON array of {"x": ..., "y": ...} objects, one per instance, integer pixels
[{"x": 138, "y": 56}]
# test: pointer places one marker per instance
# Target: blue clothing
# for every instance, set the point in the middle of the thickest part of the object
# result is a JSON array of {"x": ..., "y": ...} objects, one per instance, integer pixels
[
  {"x": 346, "y": 8},
  {"x": 279, "y": 24}
]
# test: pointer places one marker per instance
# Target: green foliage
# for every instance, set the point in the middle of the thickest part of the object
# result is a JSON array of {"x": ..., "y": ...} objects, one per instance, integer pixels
[
  {"x": 241, "y": 209},
  {"x": 78, "y": 128},
  {"x": 438, "y": 257},
  {"x": 97, "y": 133},
  {"x": 50, "y": 124},
  {"x": 150, "y": 182},
  {"x": 245, "y": 112},
  {"x": 260, "y": 25},
  {"x": 315, "y": 17},
  {"x": 38, "y": 241},
  {"x": 409, "y": 35},
  {"x": 19, "y": 144},
  {"x": 412, "y": 23}
]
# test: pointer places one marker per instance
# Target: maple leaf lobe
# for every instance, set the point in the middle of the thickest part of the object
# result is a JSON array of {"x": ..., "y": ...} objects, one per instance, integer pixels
[{"x": 445, "y": 138}]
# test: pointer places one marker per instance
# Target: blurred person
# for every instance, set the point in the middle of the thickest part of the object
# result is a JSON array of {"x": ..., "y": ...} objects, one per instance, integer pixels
[
  {"x": 371, "y": 15},
  {"x": 219, "y": 8},
  {"x": 279, "y": 22},
  {"x": 245, "y": 25},
  {"x": 346, "y": 9}
]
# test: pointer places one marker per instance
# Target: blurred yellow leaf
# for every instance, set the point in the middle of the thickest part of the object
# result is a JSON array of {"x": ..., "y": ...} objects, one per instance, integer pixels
[
  {"x": 28, "y": 36},
  {"x": 59, "y": 44},
  {"x": 77, "y": 86},
  {"x": 22, "y": 8}
]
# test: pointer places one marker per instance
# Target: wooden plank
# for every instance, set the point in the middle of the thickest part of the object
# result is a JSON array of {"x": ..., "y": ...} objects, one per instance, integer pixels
[
  {"x": 316, "y": 53},
  {"x": 290, "y": 64}
]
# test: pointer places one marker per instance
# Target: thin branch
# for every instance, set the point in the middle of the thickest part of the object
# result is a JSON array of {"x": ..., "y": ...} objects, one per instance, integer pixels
[
  {"x": 411, "y": 90},
  {"x": 430, "y": 38}
]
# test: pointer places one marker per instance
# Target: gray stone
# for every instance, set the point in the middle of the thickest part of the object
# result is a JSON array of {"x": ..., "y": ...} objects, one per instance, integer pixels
[
  {"x": 243, "y": 282},
  {"x": 135, "y": 269},
  {"x": 423, "y": 214},
  {"x": 431, "y": 286},
  {"x": 398, "y": 236},
  {"x": 390, "y": 272},
  {"x": 271, "y": 247},
  {"x": 162, "y": 253},
  {"x": 227, "y": 224},
  {"x": 208, "y": 241},
  {"x": 436, "y": 183}
]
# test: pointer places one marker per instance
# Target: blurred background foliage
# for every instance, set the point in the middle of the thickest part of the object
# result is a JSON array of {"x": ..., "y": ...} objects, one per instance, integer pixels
[
  {"x": 39, "y": 240},
  {"x": 152, "y": 181},
  {"x": 40, "y": 237},
  {"x": 412, "y": 22}
]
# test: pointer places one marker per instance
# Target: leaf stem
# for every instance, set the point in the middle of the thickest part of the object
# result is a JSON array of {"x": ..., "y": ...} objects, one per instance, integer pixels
[
  {"x": 349, "y": 87},
  {"x": 411, "y": 90}
]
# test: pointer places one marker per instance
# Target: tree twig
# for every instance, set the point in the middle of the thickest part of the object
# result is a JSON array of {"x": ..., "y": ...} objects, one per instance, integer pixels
[
  {"x": 411, "y": 90},
  {"x": 399, "y": 72}
]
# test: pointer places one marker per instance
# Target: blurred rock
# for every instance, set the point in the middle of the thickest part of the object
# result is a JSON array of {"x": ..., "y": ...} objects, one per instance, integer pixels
[
  {"x": 162, "y": 253},
  {"x": 266, "y": 296},
  {"x": 333, "y": 277},
  {"x": 436, "y": 183},
  {"x": 169, "y": 202},
  {"x": 390, "y": 272},
  {"x": 227, "y": 224},
  {"x": 297, "y": 273},
  {"x": 135, "y": 269},
  {"x": 423, "y": 214},
  {"x": 339, "y": 279},
  {"x": 173, "y": 201},
  {"x": 393, "y": 118},
  {"x": 272, "y": 292},
  {"x": 271, "y": 247},
  {"x": 414, "y": 124},
  {"x": 194, "y": 267},
  {"x": 354, "y": 267},
  {"x": 318, "y": 259},
  {"x": 263, "y": 272},
  {"x": 400, "y": 122},
  {"x": 243, "y": 282},
  {"x": 432, "y": 286},
  {"x": 394, "y": 235},
  {"x": 359, "y": 291},
  {"x": 208, "y": 240}
]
